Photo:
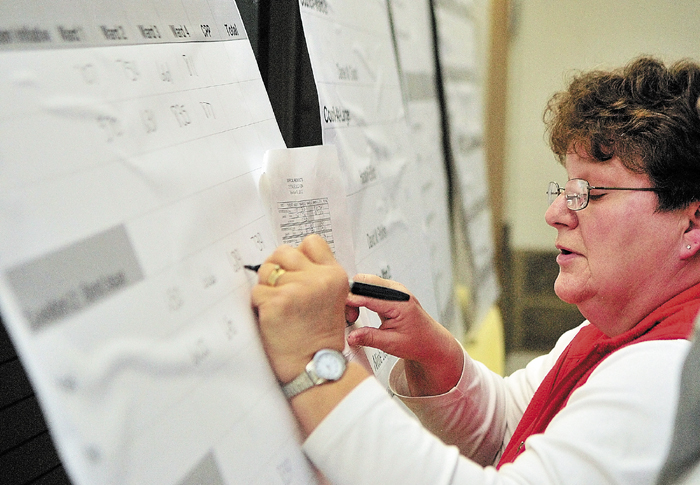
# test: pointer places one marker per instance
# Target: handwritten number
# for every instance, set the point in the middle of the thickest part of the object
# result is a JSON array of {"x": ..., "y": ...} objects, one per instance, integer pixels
[
  {"x": 189, "y": 62},
  {"x": 88, "y": 73},
  {"x": 130, "y": 69},
  {"x": 148, "y": 118},
  {"x": 181, "y": 115},
  {"x": 208, "y": 109},
  {"x": 236, "y": 260},
  {"x": 164, "y": 72},
  {"x": 111, "y": 126},
  {"x": 258, "y": 240},
  {"x": 174, "y": 298}
]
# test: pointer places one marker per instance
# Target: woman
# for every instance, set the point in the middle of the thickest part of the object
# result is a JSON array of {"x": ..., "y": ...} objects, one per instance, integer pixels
[{"x": 599, "y": 407}]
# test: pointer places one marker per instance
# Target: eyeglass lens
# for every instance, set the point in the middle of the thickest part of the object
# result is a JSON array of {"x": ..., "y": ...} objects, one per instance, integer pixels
[{"x": 575, "y": 192}]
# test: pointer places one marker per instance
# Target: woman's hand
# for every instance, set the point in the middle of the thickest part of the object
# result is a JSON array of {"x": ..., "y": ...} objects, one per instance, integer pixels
[
  {"x": 303, "y": 311},
  {"x": 434, "y": 359}
]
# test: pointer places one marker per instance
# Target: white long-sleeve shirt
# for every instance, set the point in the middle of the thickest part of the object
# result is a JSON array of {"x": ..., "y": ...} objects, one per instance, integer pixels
[{"x": 615, "y": 429}]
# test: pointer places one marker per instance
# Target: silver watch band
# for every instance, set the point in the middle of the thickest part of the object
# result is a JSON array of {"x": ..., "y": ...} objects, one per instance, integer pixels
[
  {"x": 301, "y": 383},
  {"x": 326, "y": 364}
]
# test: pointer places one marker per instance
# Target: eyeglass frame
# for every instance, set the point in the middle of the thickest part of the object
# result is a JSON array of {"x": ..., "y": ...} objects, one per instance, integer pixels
[{"x": 588, "y": 187}]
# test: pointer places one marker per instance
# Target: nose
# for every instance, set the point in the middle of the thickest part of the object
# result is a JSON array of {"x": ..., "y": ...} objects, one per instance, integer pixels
[{"x": 558, "y": 214}]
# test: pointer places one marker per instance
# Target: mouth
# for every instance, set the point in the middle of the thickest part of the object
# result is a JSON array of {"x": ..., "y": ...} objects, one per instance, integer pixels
[{"x": 564, "y": 251}]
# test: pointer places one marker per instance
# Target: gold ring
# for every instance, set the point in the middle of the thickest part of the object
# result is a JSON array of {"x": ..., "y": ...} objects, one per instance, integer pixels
[{"x": 274, "y": 276}]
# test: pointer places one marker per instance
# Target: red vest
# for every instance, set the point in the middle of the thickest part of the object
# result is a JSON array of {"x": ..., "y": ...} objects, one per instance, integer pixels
[{"x": 672, "y": 320}]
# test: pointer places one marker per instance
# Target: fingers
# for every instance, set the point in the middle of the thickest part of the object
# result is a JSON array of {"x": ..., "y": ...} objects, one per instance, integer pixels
[
  {"x": 272, "y": 274},
  {"x": 361, "y": 337},
  {"x": 376, "y": 339},
  {"x": 385, "y": 308},
  {"x": 279, "y": 267},
  {"x": 376, "y": 280},
  {"x": 285, "y": 259},
  {"x": 316, "y": 249},
  {"x": 289, "y": 258},
  {"x": 352, "y": 313},
  {"x": 259, "y": 294}
]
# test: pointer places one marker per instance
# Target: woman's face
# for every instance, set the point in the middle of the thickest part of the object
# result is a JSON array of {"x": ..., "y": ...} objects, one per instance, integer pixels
[{"x": 617, "y": 254}]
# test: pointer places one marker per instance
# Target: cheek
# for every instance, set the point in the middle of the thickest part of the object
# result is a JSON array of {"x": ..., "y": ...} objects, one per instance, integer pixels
[
  {"x": 612, "y": 236},
  {"x": 611, "y": 254},
  {"x": 622, "y": 252}
]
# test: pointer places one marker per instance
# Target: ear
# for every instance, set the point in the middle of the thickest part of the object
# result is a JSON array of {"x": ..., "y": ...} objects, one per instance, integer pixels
[{"x": 691, "y": 237}]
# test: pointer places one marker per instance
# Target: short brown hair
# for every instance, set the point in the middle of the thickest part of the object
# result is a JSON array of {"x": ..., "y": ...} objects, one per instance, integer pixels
[{"x": 645, "y": 113}]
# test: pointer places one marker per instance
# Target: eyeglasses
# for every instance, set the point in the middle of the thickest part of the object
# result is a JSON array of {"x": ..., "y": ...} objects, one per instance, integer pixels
[{"x": 577, "y": 192}]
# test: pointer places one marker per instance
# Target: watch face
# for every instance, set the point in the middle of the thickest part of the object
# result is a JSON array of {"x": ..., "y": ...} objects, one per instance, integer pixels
[{"x": 329, "y": 364}]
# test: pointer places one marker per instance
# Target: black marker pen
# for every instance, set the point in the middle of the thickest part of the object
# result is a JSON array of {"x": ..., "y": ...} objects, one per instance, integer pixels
[{"x": 365, "y": 289}]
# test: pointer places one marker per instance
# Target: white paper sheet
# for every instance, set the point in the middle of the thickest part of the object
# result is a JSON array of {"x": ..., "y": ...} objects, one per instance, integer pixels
[
  {"x": 304, "y": 193},
  {"x": 129, "y": 162}
]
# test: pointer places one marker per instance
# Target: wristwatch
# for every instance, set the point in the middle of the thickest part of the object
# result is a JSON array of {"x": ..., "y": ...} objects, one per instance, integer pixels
[{"x": 326, "y": 365}]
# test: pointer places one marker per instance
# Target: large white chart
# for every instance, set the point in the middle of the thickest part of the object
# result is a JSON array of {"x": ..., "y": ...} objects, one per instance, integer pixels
[
  {"x": 463, "y": 96},
  {"x": 362, "y": 113},
  {"x": 416, "y": 54},
  {"x": 131, "y": 141}
]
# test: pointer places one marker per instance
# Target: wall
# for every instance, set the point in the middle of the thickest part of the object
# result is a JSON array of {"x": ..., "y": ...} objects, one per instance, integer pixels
[{"x": 549, "y": 39}]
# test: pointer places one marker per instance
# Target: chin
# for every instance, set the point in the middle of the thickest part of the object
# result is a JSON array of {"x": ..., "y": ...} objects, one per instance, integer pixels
[{"x": 568, "y": 291}]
